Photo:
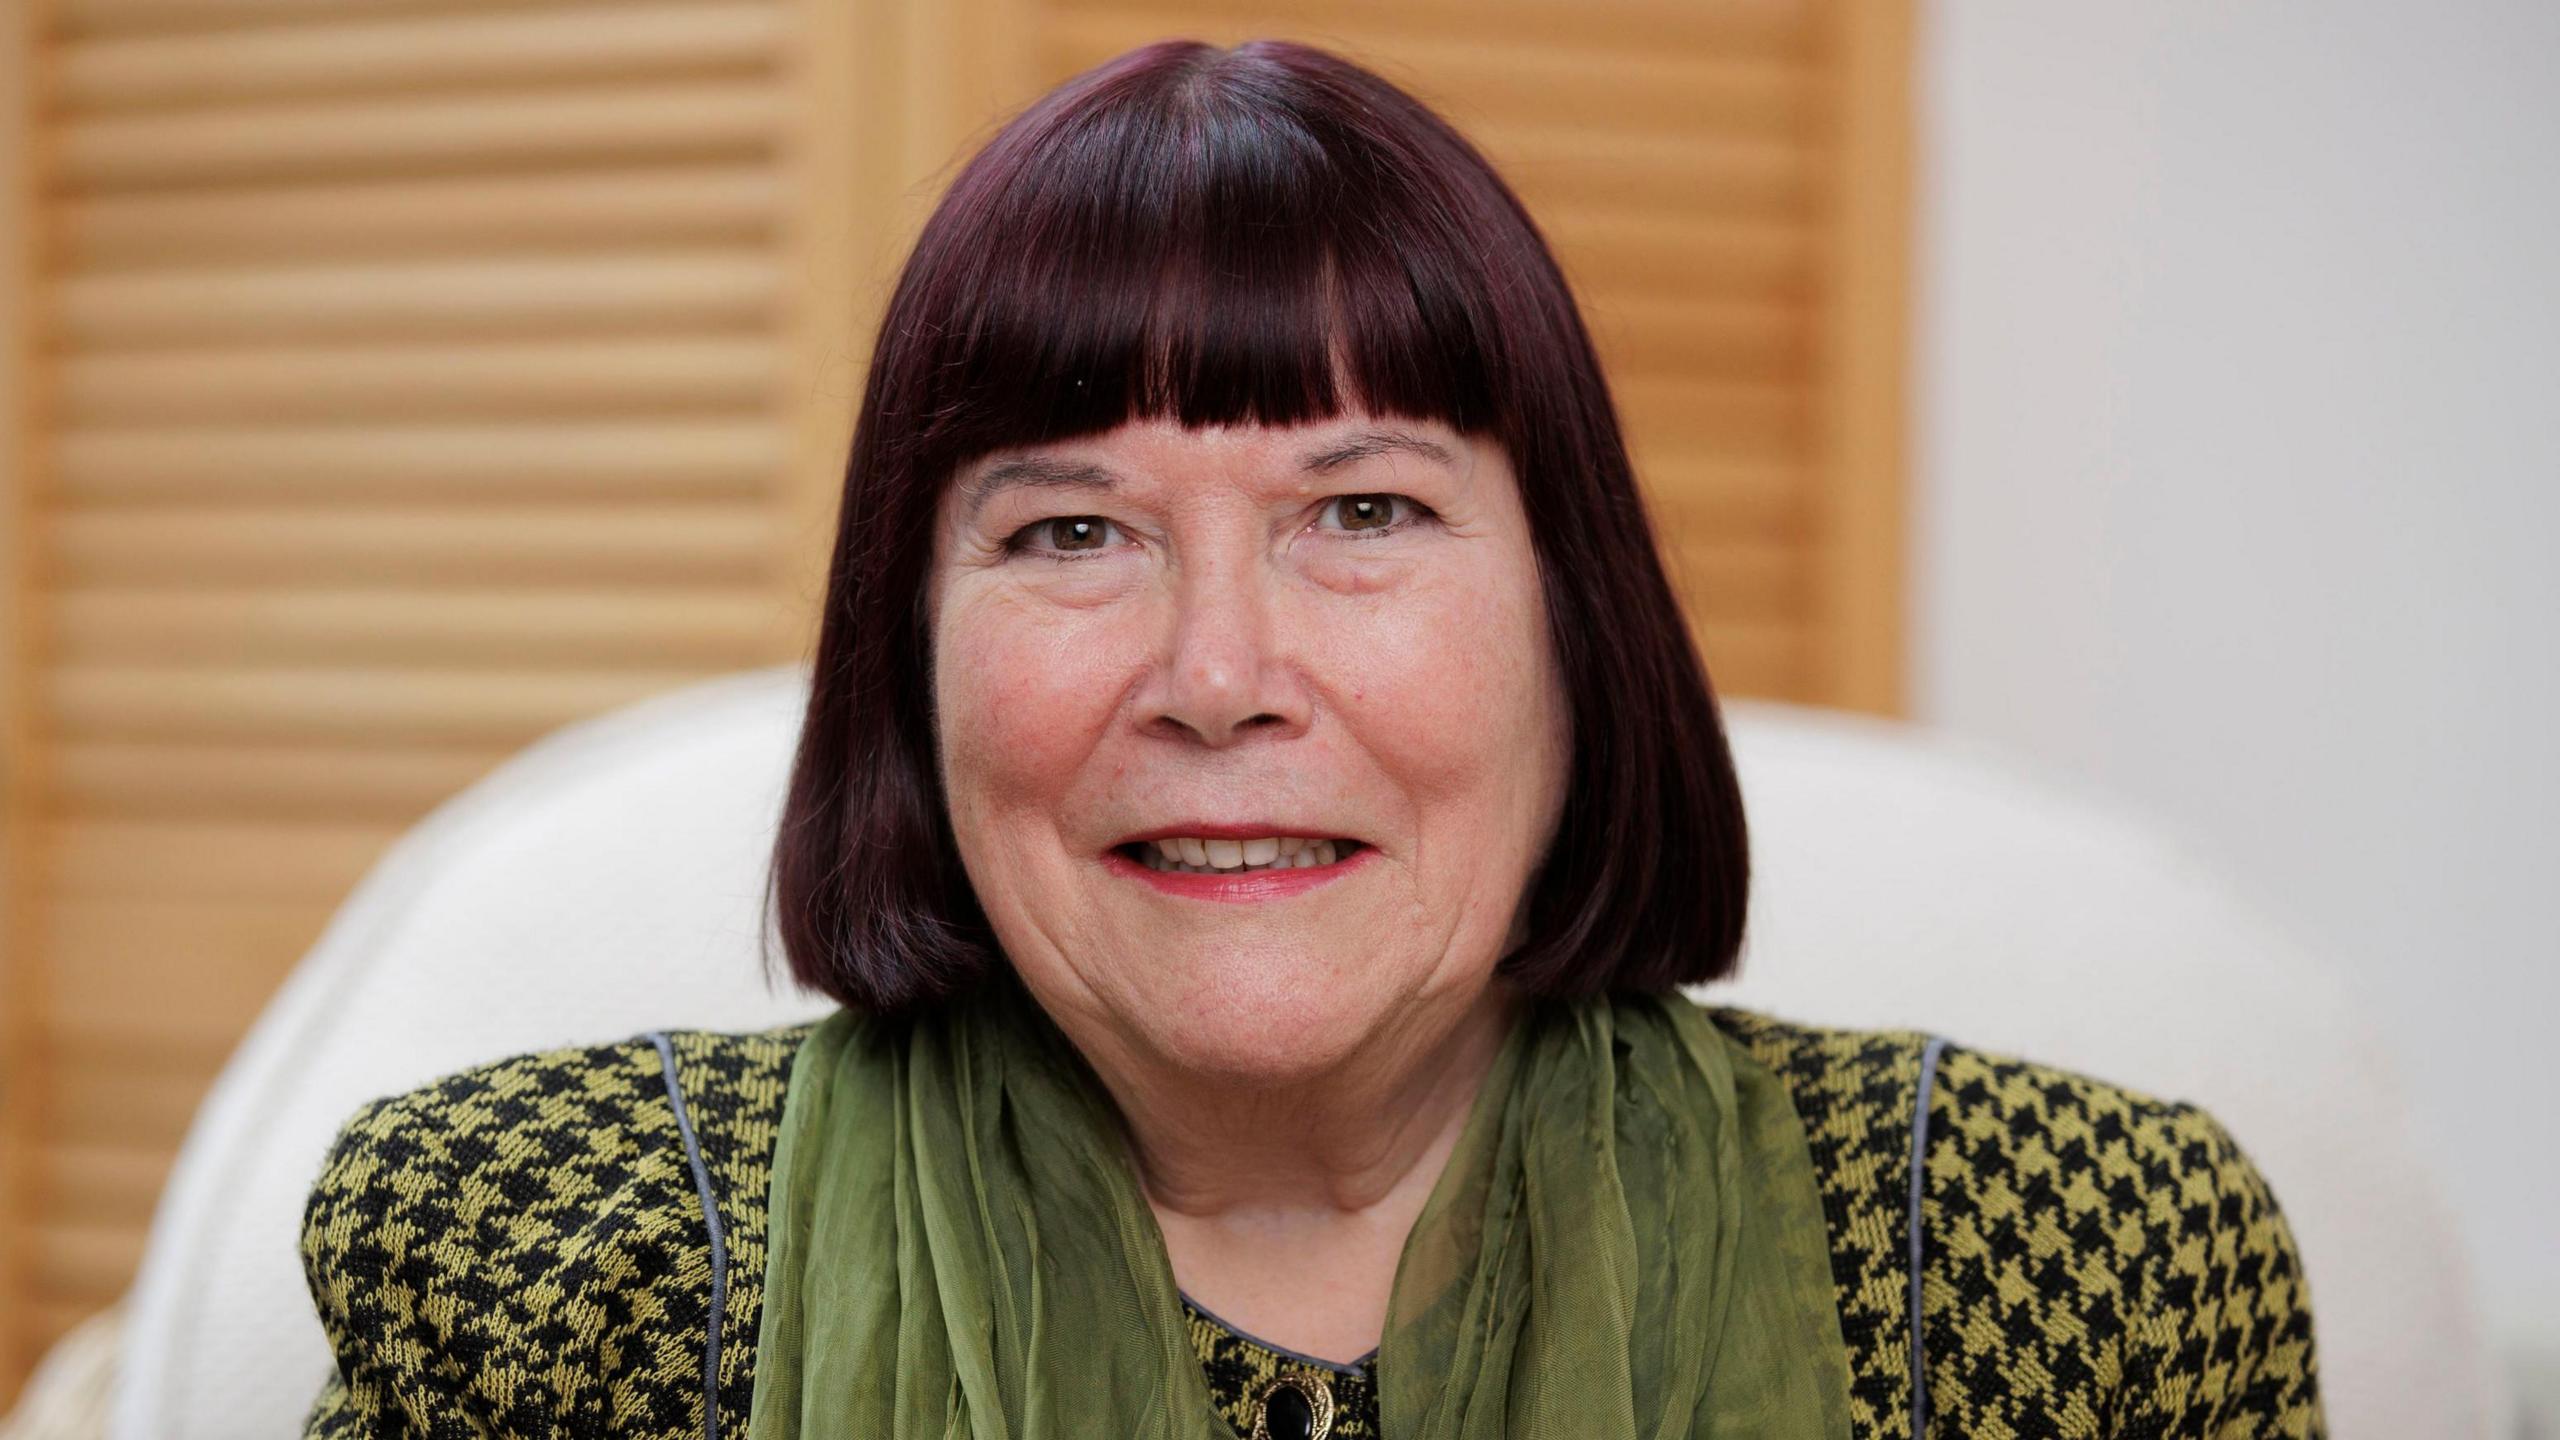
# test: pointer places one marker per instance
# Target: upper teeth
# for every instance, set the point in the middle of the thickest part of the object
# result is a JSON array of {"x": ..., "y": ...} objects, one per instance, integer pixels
[{"x": 1270, "y": 852}]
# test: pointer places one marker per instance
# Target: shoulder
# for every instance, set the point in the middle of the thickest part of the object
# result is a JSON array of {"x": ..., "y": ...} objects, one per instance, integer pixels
[
  {"x": 2104, "y": 1227},
  {"x": 573, "y": 1127},
  {"x": 2085, "y": 1247},
  {"x": 466, "y": 1236},
  {"x": 1854, "y": 1090}
]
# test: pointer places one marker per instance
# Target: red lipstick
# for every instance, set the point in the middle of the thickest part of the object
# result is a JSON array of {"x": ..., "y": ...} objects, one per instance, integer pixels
[
  {"x": 1246, "y": 885},
  {"x": 1231, "y": 830}
]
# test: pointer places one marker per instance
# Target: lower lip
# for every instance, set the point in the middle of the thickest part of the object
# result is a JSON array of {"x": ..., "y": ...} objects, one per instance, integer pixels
[{"x": 1250, "y": 885}]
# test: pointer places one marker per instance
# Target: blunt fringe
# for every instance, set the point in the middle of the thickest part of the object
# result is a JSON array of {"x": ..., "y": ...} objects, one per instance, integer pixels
[{"x": 1262, "y": 234}]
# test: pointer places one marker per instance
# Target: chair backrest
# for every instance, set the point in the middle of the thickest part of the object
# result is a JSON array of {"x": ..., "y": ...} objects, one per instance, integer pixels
[
  {"x": 1902, "y": 877},
  {"x": 609, "y": 880}
]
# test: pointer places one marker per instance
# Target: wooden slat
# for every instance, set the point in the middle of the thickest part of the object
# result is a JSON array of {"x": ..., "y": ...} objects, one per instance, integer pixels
[
  {"x": 457, "y": 706},
  {"x": 1740, "y": 578},
  {"x": 1636, "y": 252},
  {"x": 124, "y": 1097},
  {"x": 1664, "y": 91},
  {"x": 216, "y": 859},
  {"x": 535, "y": 459},
  {"x": 1717, "y": 418},
  {"x": 134, "y": 1105},
  {"x": 179, "y": 1059},
  {"x": 175, "y": 974},
  {"x": 1746, "y": 657},
  {"x": 638, "y": 623},
  {"x": 1781, "y": 28},
  {"x": 355, "y": 780},
  {"x": 82, "y": 1260},
  {"x": 1479, "y": 72},
  {"x": 586, "y": 210},
  {"x": 199, "y": 969},
  {"x": 1737, "y": 339},
  {"x": 1746, "y": 177},
  {"x": 308, "y": 139},
  {"x": 542, "y": 296},
  {"x": 199, "y": 17},
  {"x": 116, "y": 1184},
  {"x": 673, "y": 543},
  {"x": 409, "y": 383},
  {"x": 1689, "y": 495},
  {"x": 359, "y": 53}
]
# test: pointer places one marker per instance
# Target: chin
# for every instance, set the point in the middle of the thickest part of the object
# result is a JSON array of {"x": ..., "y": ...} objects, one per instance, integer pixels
[{"x": 1247, "y": 1028}]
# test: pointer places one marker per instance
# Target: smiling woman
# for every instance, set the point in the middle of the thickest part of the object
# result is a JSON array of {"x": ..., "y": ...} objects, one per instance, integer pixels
[
  {"x": 1235, "y": 350},
  {"x": 1326, "y": 636},
  {"x": 1257, "y": 807}
]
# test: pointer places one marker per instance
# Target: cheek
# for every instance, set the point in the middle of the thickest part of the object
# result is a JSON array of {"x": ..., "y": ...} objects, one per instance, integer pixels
[
  {"x": 1449, "y": 690},
  {"x": 1020, "y": 697}
]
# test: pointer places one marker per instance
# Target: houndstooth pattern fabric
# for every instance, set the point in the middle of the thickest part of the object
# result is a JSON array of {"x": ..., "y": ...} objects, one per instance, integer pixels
[
  {"x": 2115, "y": 1266},
  {"x": 519, "y": 1250},
  {"x": 1854, "y": 1091},
  {"x": 1240, "y": 1368}
]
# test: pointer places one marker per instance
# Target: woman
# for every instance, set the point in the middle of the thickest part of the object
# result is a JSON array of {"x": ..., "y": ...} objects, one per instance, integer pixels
[{"x": 1256, "y": 805}]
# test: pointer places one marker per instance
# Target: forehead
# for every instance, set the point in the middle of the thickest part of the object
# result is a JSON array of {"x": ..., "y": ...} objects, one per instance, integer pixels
[{"x": 1143, "y": 449}]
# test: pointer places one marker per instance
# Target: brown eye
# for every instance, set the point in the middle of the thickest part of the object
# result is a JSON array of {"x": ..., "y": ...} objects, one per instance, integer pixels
[
  {"x": 1073, "y": 532},
  {"x": 1365, "y": 512}
]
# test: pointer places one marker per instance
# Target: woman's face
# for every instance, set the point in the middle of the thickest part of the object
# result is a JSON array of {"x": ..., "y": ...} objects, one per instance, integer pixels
[{"x": 1328, "y": 632}]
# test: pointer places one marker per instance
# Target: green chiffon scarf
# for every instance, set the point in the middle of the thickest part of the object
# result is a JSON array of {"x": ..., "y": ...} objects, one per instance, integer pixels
[{"x": 1627, "y": 1241}]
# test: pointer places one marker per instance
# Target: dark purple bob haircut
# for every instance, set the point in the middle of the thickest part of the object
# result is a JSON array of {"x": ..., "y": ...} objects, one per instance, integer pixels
[{"x": 1266, "y": 234}]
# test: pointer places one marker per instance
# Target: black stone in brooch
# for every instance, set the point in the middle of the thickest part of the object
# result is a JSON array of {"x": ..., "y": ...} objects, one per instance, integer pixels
[{"x": 1296, "y": 1405}]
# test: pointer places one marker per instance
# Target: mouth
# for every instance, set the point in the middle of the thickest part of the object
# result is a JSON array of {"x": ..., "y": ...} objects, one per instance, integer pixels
[
  {"x": 1223, "y": 855},
  {"x": 1236, "y": 861}
]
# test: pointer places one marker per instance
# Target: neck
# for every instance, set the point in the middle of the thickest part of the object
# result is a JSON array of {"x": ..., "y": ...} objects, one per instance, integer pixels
[
  {"x": 1285, "y": 1207},
  {"x": 1369, "y": 1135}
]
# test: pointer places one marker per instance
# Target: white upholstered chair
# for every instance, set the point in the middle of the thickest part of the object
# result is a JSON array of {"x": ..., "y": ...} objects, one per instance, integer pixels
[{"x": 610, "y": 880}]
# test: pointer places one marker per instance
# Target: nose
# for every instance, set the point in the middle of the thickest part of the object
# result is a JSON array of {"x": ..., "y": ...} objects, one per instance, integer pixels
[{"x": 1228, "y": 671}]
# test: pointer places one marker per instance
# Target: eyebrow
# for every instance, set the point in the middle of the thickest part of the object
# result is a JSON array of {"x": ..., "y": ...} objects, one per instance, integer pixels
[
  {"x": 1045, "y": 472},
  {"x": 1038, "y": 470},
  {"x": 1378, "y": 442}
]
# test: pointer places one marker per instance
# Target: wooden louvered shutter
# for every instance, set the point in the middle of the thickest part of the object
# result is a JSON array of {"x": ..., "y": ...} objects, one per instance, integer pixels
[
  {"x": 391, "y": 384},
  {"x": 400, "y": 382}
]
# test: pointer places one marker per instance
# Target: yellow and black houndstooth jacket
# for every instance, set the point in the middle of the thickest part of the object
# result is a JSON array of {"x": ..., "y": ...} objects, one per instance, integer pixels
[{"x": 571, "y": 1244}]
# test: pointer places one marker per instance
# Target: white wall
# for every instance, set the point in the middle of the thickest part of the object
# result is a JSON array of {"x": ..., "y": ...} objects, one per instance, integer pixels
[{"x": 2238, "y": 493}]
